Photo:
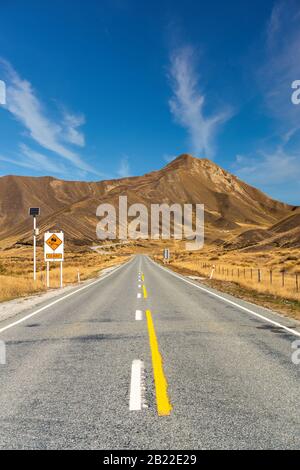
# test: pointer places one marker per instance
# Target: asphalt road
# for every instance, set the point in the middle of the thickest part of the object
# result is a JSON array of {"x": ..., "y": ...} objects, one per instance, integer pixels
[{"x": 227, "y": 374}]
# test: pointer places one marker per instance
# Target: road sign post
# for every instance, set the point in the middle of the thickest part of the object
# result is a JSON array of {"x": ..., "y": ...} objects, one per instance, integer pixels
[
  {"x": 34, "y": 212},
  {"x": 54, "y": 252},
  {"x": 48, "y": 274},
  {"x": 61, "y": 274},
  {"x": 34, "y": 248}
]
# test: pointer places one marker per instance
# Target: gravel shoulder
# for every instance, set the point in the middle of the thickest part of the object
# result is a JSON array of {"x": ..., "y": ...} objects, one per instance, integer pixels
[{"x": 14, "y": 307}]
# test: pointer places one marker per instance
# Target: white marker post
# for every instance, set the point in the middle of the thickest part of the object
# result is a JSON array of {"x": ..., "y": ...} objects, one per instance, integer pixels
[
  {"x": 166, "y": 255},
  {"x": 54, "y": 251},
  {"x": 34, "y": 212}
]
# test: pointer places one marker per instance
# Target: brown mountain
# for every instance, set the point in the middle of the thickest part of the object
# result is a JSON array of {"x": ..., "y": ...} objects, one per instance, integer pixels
[
  {"x": 285, "y": 234},
  {"x": 231, "y": 206}
]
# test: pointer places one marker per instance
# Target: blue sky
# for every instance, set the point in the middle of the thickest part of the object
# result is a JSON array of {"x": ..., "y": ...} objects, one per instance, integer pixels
[{"x": 110, "y": 88}]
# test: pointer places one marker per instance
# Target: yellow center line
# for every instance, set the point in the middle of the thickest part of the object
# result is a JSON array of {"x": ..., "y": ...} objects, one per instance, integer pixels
[
  {"x": 143, "y": 277},
  {"x": 163, "y": 404},
  {"x": 145, "y": 291}
]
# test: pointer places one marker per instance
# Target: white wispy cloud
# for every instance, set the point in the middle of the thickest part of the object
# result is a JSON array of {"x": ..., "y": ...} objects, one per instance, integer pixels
[
  {"x": 276, "y": 164},
  {"x": 274, "y": 24},
  {"x": 124, "y": 167},
  {"x": 25, "y": 106},
  {"x": 188, "y": 102},
  {"x": 2, "y": 92},
  {"x": 41, "y": 162},
  {"x": 269, "y": 169},
  {"x": 281, "y": 65},
  {"x": 169, "y": 158},
  {"x": 28, "y": 158},
  {"x": 277, "y": 173},
  {"x": 71, "y": 124}
]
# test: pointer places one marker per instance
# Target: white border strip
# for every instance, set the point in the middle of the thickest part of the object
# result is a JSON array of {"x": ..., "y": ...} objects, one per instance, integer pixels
[
  {"x": 218, "y": 296},
  {"x": 62, "y": 298}
]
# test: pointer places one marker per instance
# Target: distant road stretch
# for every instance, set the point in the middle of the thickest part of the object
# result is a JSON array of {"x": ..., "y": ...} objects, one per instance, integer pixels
[{"x": 145, "y": 359}]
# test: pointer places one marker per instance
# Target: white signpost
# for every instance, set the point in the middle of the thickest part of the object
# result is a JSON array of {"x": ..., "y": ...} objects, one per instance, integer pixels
[
  {"x": 54, "y": 252},
  {"x": 34, "y": 212}
]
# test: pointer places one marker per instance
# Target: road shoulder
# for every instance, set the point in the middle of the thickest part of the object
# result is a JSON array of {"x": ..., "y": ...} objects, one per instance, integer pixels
[
  {"x": 12, "y": 308},
  {"x": 258, "y": 310}
]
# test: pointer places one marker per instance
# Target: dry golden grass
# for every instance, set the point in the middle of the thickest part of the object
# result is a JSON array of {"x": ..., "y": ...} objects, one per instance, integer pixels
[
  {"x": 232, "y": 270},
  {"x": 275, "y": 282},
  {"x": 13, "y": 286},
  {"x": 16, "y": 270},
  {"x": 254, "y": 276}
]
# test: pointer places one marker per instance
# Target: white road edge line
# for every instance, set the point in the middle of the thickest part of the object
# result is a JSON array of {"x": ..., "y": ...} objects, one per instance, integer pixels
[
  {"x": 138, "y": 314},
  {"x": 139, "y": 295},
  {"x": 135, "y": 400},
  {"x": 245, "y": 309},
  {"x": 61, "y": 298}
]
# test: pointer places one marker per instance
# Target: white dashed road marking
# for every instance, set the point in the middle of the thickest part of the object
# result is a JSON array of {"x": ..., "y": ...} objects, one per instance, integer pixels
[
  {"x": 136, "y": 387},
  {"x": 138, "y": 314}
]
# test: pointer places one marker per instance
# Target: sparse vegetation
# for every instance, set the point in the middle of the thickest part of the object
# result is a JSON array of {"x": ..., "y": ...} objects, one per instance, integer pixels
[
  {"x": 270, "y": 278},
  {"x": 16, "y": 271},
  {"x": 254, "y": 276}
]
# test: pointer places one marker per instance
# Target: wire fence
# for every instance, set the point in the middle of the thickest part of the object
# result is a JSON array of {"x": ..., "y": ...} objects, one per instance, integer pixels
[
  {"x": 277, "y": 281},
  {"x": 272, "y": 277}
]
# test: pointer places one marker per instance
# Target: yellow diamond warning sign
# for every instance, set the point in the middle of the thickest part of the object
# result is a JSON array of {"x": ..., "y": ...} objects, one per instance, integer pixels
[
  {"x": 54, "y": 242},
  {"x": 54, "y": 246}
]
